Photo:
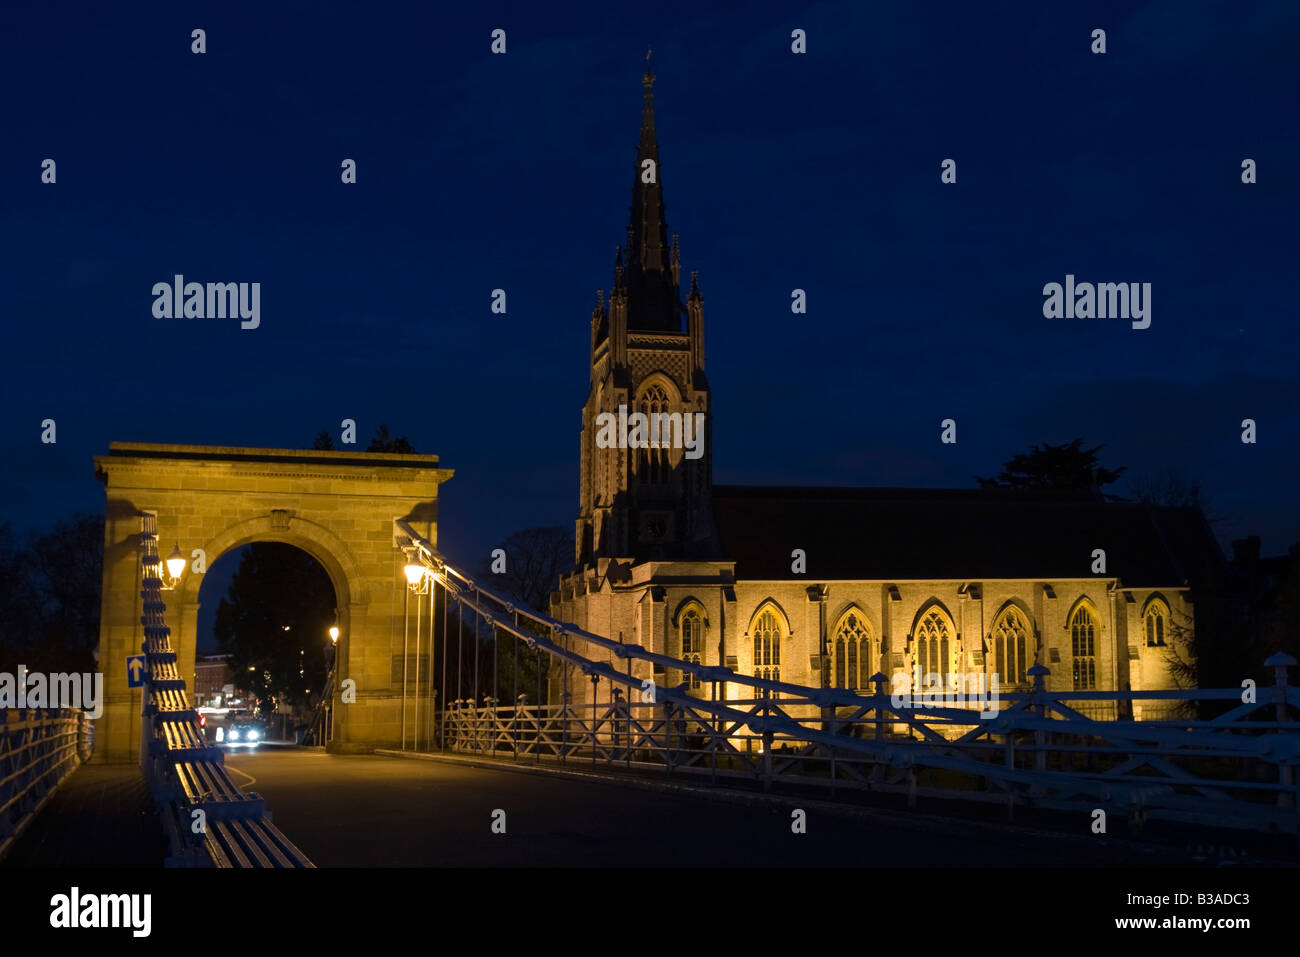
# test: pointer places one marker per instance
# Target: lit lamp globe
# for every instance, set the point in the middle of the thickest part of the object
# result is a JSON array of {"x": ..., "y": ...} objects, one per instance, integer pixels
[
  {"x": 334, "y": 634},
  {"x": 176, "y": 562},
  {"x": 414, "y": 573}
]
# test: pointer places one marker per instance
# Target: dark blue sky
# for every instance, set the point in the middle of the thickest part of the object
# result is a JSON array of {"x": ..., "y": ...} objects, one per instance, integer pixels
[{"x": 780, "y": 171}]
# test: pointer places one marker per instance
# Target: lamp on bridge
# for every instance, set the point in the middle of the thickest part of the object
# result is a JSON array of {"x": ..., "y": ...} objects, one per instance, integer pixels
[
  {"x": 175, "y": 568},
  {"x": 334, "y": 634},
  {"x": 417, "y": 576}
]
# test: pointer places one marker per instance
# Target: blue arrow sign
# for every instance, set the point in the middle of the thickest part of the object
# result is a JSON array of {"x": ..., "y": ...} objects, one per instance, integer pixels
[{"x": 134, "y": 671}]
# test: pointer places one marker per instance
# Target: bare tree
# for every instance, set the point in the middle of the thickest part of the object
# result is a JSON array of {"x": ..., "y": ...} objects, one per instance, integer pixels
[
  {"x": 534, "y": 560},
  {"x": 1167, "y": 486}
]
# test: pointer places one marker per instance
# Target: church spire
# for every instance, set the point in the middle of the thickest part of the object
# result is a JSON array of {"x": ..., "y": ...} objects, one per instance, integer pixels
[{"x": 651, "y": 276}]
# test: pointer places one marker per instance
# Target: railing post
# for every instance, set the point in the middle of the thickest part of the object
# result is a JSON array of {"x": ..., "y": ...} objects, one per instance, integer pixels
[
  {"x": 768, "y": 738},
  {"x": 493, "y": 722},
  {"x": 835, "y": 727},
  {"x": 668, "y": 739},
  {"x": 519, "y": 706},
  {"x": 595, "y": 717},
  {"x": 879, "y": 680},
  {"x": 564, "y": 726},
  {"x": 1039, "y": 673},
  {"x": 1011, "y": 766},
  {"x": 616, "y": 705},
  {"x": 1279, "y": 662}
]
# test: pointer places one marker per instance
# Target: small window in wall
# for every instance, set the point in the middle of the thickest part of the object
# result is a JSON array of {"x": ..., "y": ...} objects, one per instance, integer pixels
[
  {"x": 1156, "y": 623},
  {"x": 692, "y": 645}
]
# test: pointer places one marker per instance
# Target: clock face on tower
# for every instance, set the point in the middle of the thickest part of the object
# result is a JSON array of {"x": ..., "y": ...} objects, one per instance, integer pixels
[{"x": 654, "y": 526}]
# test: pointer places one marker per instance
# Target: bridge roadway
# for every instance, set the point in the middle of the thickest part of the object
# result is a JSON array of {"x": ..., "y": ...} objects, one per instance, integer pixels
[
  {"x": 382, "y": 811},
  {"x": 376, "y": 810}
]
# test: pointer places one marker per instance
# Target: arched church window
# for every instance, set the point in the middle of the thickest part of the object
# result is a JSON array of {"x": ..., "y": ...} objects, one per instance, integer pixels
[
  {"x": 852, "y": 652},
  {"x": 692, "y": 645},
  {"x": 1157, "y": 623},
  {"x": 934, "y": 646},
  {"x": 1083, "y": 646},
  {"x": 1010, "y": 647},
  {"x": 767, "y": 632}
]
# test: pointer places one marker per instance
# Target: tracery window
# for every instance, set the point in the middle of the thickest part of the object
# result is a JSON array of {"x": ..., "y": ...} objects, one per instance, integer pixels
[
  {"x": 852, "y": 652},
  {"x": 1083, "y": 647},
  {"x": 692, "y": 645},
  {"x": 1010, "y": 646},
  {"x": 767, "y": 632},
  {"x": 653, "y": 463},
  {"x": 1157, "y": 623},
  {"x": 934, "y": 646}
]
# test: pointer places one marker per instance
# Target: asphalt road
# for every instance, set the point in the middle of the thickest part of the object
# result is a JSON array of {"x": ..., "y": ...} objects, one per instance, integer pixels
[{"x": 379, "y": 811}]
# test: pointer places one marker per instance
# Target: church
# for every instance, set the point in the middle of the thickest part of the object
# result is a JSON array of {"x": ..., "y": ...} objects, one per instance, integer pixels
[{"x": 825, "y": 587}]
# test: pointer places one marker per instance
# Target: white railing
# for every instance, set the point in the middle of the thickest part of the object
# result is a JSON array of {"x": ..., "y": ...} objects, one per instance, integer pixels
[
  {"x": 208, "y": 820},
  {"x": 1036, "y": 749},
  {"x": 39, "y": 748}
]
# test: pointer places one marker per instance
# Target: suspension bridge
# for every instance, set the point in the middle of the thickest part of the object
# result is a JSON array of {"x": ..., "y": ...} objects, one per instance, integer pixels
[{"x": 602, "y": 735}]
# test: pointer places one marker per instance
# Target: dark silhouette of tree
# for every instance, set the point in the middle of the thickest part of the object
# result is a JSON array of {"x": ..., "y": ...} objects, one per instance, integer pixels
[
  {"x": 18, "y": 631},
  {"x": 50, "y": 596},
  {"x": 384, "y": 442},
  {"x": 1167, "y": 486},
  {"x": 66, "y": 577},
  {"x": 273, "y": 623},
  {"x": 1065, "y": 467},
  {"x": 1241, "y": 618},
  {"x": 535, "y": 558}
]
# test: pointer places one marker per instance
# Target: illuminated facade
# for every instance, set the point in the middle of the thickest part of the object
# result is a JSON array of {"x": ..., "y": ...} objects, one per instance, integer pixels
[{"x": 830, "y": 586}]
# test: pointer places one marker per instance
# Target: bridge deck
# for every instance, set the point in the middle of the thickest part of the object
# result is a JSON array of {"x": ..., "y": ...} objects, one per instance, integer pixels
[
  {"x": 381, "y": 811},
  {"x": 374, "y": 810}
]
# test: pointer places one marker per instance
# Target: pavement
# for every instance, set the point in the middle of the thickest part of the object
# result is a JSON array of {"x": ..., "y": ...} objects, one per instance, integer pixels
[{"x": 100, "y": 816}]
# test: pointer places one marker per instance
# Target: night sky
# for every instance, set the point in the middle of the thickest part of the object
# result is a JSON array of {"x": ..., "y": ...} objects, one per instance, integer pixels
[{"x": 780, "y": 171}]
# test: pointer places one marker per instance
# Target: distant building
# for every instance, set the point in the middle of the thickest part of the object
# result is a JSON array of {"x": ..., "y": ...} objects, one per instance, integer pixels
[
  {"x": 212, "y": 675},
  {"x": 828, "y": 586}
]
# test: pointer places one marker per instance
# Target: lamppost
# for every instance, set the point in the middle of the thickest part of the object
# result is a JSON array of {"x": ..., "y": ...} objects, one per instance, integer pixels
[
  {"x": 331, "y": 652},
  {"x": 419, "y": 582}
]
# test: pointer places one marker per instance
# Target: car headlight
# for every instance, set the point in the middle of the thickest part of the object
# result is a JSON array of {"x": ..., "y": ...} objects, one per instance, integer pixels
[
  {"x": 234, "y": 735},
  {"x": 252, "y": 735}
]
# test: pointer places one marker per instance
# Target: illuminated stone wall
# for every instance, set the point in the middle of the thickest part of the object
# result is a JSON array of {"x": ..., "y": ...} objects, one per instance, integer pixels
[{"x": 338, "y": 507}]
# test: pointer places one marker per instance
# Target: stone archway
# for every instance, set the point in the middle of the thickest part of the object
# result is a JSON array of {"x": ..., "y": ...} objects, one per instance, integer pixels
[{"x": 339, "y": 507}]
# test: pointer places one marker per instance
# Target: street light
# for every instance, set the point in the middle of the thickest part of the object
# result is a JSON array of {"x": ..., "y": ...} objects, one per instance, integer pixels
[
  {"x": 334, "y": 634},
  {"x": 416, "y": 574},
  {"x": 175, "y": 568}
]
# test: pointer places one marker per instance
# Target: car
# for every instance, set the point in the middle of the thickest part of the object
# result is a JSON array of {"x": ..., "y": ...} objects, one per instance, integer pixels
[{"x": 244, "y": 731}]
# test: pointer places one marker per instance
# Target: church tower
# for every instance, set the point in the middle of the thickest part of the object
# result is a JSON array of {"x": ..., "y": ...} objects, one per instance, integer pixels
[{"x": 647, "y": 356}]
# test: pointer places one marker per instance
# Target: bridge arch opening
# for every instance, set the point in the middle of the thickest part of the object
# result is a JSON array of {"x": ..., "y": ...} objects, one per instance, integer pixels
[
  {"x": 338, "y": 507},
  {"x": 264, "y": 620}
]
